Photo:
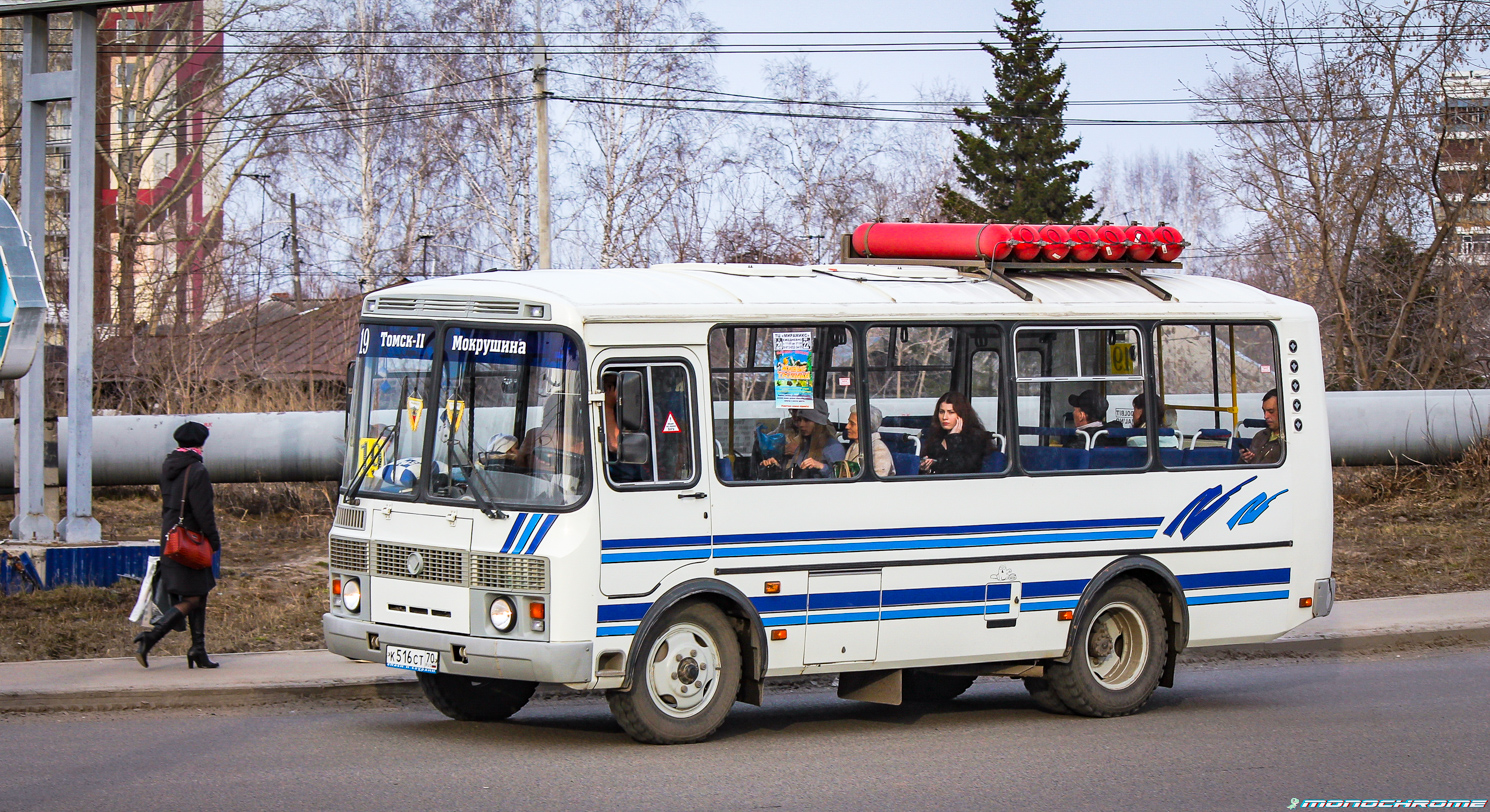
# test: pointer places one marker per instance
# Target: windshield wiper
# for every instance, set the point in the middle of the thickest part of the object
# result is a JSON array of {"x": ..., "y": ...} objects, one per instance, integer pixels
[
  {"x": 482, "y": 501},
  {"x": 376, "y": 452}
]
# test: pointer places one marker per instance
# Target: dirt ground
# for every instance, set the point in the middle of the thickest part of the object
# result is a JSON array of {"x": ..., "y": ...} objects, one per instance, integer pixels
[{"x": 1398, "y": 531}]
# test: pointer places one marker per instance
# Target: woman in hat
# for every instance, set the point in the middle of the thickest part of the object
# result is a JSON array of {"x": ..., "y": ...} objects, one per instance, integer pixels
[
  {"x": 955, "y": 442},
  {"x": 184, "y": 471},
  {"x": 819, "y": 450}
]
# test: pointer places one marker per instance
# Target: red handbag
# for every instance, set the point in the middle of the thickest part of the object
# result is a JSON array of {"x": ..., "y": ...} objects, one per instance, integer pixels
[{"x": 188, "y": 548}]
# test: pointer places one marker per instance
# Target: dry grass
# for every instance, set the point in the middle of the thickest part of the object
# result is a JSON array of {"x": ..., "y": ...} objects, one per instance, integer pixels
[
  {"x": 1398, "y": 531},
  {"x": 270, "y": 596}
]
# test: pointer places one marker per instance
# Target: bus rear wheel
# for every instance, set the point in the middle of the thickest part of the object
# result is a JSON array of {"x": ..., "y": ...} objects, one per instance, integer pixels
[
  {"x": 1118, "y": 655},
  {"x": 684, "y": 677},
  {"x": 917, "y": 685},
  {"x": 475, "y": 699}
]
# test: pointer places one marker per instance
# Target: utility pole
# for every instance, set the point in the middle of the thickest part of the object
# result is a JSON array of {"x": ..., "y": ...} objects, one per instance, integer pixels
[
  {"x": 540, "y": 92},
  {"x": 424, "y": 253},
  {"x": 295, "y": 253}
]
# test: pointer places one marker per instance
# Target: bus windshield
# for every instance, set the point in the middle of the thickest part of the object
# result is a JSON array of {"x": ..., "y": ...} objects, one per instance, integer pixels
[
  {"x": 511, "y": 422},
  {"x": 394, "y": 364}
]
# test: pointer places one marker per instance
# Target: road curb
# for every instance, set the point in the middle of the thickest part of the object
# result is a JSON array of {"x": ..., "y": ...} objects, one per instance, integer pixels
[{"x": 397, "y": 687}]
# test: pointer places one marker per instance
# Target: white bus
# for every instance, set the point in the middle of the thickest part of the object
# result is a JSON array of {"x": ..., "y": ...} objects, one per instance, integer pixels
[{"x": 589, "y": 477}]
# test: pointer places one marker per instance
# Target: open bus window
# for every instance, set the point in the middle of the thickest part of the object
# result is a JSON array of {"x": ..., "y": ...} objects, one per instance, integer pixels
[
  {"x": 1076, "y": 390},
  {"x": 913, "y": 370},
  {"x": 782, "y": 398},
  {"x": 510, "y": 419},
  {"x": 390, "y": 385},
  {"x": 1213, "y": 379}
]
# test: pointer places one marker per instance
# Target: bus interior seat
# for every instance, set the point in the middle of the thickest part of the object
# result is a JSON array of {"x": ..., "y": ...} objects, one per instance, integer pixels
[
  {"x": 899, "y": 442},
  {"x": 906, "y": 464},
  {"x": 994, "y": 463},
  {"x": 1119, "y": 457},
  {"x": 1172, "y": 457},
  {"x": 1255, "y": 423},
  {"x": 1046, "y": 458},
  {"x": 1209, "y": 456},
  {"x": 725, "y": 468}
]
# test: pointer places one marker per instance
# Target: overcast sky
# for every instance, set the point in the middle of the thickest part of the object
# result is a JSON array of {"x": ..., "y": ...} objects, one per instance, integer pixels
[{"x": 1092, "y": 74}]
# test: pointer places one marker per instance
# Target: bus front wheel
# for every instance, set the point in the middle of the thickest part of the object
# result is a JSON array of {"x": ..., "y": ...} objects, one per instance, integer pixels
[
  {"x": 475, "y": 699},
  {"x": 1118, "y": 655},
  {"x": 684, "y": 677}
]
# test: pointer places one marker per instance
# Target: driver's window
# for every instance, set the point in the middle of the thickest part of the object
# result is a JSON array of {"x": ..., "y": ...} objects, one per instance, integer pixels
[{"x": 649, "y": 425}]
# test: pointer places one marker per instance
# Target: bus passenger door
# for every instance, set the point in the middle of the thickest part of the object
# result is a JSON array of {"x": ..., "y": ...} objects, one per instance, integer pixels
[
  {"x": 843, "y": 617},
  {"x": 654, "y": 498}
]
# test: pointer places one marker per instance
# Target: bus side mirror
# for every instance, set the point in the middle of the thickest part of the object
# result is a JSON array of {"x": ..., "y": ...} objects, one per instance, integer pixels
[
  {"x": 631, "y": 401},
  {"x": 635, "y": 449}
]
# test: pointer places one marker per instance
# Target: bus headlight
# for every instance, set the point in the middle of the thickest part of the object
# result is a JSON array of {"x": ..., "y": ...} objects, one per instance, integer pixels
[
  {"x": 351, "y": 595},
  {"x": 503, "y": 615}
]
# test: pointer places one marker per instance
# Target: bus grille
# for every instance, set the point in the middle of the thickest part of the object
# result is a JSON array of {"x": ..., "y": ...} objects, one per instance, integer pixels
[
  {"x": 352, "y": 518},
  {"x": 511, "y": 573},
  {"x": 408, "y": 305},
  {"x": 348, "y": 554},
  {"x": 438, "y": 566}
]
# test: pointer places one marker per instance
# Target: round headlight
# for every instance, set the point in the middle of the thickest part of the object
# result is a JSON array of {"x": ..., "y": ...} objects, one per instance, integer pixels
[
  {"x": 503, "y": 615},
  {"x": 351, "y": 595}
]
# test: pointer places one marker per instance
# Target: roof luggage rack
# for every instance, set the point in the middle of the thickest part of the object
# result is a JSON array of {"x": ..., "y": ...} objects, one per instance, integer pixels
[{"x": 978, "y": 257}]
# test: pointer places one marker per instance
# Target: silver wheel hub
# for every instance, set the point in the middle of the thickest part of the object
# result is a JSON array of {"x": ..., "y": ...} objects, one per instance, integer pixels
[
  {"x": 1117, "y": 646},
  {"x": 683, "y": 670}
]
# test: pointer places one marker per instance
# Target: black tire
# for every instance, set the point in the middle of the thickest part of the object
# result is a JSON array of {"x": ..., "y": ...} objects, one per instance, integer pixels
[
  {"x": 1118, "y": 655},
  {"x": 475, "y": 699},
  {"x": 1044, "y": 696},
  {"x": 664, "y": 706},
  {"x": 917, "y": 685}
]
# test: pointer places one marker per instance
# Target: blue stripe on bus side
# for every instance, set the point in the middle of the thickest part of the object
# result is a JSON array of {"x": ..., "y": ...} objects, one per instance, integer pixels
[
  {"x": 842, "y": 600},
  {"x": 934, "y": 543},
  {"x": 512, "y": 534},
  {"x": 1037, "y": 606},
  {"x": 940, "y": 611},
  {"x": 783, "y": 620},
  {"x": 1211, "y": 580},
  {"x": 615, "y": 631},
  {"x": 657, "y": 555},
  {"x": 937, "y": 594},
  {"x": 548, "y": 522},
  {"x": 1241, "y": 597},
  {"x": 663, "y": 541},
  {"x": 780, "y": 603},
  {"x": 522, "y": 538},
  {"x": 953, "y": 530},
  {"x": 621, "y": 611},
  {"x": 846, "y": 617},
  {"x": 1052, "y": 589}
]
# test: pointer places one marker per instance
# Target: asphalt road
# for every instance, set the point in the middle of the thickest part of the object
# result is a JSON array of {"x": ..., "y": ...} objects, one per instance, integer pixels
[{"x": 1249, "y": 736}]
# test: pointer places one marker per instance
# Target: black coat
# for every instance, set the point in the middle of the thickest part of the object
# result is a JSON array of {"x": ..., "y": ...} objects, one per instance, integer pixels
[
  {"x": 174, "y": 477},
  {"x": 960, "y": 453}
]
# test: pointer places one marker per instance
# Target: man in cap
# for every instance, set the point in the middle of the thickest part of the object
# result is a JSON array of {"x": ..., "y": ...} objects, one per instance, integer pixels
[{"x": 1089, "y": 413}]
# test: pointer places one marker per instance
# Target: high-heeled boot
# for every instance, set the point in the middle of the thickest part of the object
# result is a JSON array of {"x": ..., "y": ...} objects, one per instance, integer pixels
[
  {"x": 146, "y": 640},
  {"x": 196, "y": 656}
]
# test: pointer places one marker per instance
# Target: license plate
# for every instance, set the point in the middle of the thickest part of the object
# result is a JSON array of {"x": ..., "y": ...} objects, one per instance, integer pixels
[{"x": 412, "y": 659}]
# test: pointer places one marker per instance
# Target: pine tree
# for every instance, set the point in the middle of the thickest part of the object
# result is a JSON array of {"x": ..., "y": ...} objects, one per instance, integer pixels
[{"x": 1013, "y": 161}]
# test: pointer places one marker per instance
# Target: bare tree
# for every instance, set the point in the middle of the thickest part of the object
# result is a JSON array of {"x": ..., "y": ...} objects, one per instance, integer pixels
[
  {"x": 1333, "y": 142},
  {"x": 1153, "y": 187}
]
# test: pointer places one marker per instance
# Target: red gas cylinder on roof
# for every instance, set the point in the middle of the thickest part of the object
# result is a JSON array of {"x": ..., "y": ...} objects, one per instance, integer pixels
[
  {"x": 1170, "y": 242},
  {"x": 1114, "y": 243},
  {"x": 1027, "y": 242},
  {"x": 966, "y": 241},
  {"x": 1142, "y": 239},
  {"x": 1057, "y": 244},
  {"x": 1085, "y": 242}
]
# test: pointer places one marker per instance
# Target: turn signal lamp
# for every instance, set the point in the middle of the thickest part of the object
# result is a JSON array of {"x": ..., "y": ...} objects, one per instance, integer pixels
[
  {"x": 778, "y": 634},
  {"x": 336, "y": 586},
  {"x": 1305, "y": 603},
  {"x": 773, "y": 587},
  {"x": 1064, "y": 614},
  {"x": 535, "y": 610}
]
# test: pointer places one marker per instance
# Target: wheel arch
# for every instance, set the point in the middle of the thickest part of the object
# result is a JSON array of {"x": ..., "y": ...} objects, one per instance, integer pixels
[
  {"x": 748, "y": 629},
  {"x": 1162, "y": 582}
]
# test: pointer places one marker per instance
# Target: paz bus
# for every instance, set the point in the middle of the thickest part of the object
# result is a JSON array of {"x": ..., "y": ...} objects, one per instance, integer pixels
[{"x": 588, "y": 477}]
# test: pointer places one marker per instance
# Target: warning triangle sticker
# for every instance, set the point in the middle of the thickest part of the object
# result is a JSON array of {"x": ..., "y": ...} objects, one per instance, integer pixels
[{"x": 670, "y": 426}]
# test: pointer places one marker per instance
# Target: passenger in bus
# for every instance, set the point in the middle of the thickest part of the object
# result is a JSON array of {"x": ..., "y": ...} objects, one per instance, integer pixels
[
  {"x": 1171, "y": 440},
  {"x": 1267, "y": 445},
  {"x": 819, "y": 450},
  {"x": 1089, "y": 413},
  {"x": 955, "y": 442},
  {"x": 776, "y": 449},
  {"x": 884, "y": 464}
]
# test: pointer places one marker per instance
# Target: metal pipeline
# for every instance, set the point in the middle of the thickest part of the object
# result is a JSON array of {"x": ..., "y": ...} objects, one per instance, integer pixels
[{"x": 1366, "y": 428}]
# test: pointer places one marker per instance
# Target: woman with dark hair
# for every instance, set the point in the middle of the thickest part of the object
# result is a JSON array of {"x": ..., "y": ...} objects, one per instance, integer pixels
[
  {"x": 185, "y": 496},
  {"x": 955, "y": 442}
]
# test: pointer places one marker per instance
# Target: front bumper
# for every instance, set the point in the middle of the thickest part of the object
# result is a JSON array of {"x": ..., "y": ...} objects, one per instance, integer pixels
[{"x": 526, "y": 660}]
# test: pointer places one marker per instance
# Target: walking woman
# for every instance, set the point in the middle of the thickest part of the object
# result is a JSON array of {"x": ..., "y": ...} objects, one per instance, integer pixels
[{"x": 184, "y": 483}]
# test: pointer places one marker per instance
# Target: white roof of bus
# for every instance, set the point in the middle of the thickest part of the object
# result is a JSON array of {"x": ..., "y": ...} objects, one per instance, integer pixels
[{"x": 685, "y": 292}]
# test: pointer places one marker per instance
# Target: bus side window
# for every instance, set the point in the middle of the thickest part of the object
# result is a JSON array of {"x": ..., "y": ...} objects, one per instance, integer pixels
[
  {"x": 1076, "y": 387},
  {"x": 1215, "y": 383},
  {"x": 662, "y": 448},
  {"x": 782, "y": 400}
]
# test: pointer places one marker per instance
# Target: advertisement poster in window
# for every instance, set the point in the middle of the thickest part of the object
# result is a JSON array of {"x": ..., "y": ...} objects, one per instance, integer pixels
[{"x": 793, "y": 370}]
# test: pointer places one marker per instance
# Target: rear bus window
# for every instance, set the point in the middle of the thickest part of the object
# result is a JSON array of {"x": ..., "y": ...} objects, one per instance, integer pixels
[{"x": 1216, "y": 384}]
